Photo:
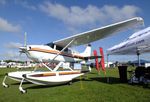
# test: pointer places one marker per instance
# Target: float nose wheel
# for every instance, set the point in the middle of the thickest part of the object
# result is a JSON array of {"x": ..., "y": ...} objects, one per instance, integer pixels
[
  {"x": 23, "y": 91},
  {"x": 3, "y": 83},
  {"x": 20, "y": 87}
]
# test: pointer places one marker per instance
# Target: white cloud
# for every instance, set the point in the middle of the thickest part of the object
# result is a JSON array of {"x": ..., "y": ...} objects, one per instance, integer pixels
[
  {"x": 12, "y": 51},
  {"x": 12, "y": 45},
  {"x": 8, "y": 27},
  {"x": 115, "y": 13},
  {"x": 13, "y": 55},
  {"x": 76, "y": 16},
  {"x": 3, "y": 2},
  {"x": 25, "y": 4}
]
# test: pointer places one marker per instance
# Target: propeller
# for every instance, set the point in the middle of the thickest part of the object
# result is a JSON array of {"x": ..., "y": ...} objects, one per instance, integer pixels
[
  {"x": 25, "y": 39},
  {"x": 23, "y": 48}
]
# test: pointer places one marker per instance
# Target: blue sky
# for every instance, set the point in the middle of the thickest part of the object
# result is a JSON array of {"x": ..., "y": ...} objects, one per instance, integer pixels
[{"x": 49, "y": 20}]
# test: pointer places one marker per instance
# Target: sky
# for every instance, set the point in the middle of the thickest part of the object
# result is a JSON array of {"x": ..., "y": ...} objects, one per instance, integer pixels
[{"x": 49, "y": 20}]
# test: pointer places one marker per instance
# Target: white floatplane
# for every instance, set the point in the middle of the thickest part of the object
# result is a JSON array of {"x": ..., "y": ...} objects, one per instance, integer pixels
[{"x": 60, "y": 51}]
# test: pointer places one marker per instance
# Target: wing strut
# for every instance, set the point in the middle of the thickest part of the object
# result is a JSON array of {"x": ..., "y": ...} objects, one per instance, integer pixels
[
  {"x": 56, "y": 68},
  {"x": 63, "y": 49},
  {"x": 46, "y": 66}
]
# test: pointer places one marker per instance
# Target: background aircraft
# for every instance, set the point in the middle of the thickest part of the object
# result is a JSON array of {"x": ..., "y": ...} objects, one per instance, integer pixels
[{"x": 136, "y": 44}]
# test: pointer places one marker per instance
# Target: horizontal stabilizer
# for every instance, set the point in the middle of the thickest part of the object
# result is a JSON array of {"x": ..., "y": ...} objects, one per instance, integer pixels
[{"x": 92, "y": 57}]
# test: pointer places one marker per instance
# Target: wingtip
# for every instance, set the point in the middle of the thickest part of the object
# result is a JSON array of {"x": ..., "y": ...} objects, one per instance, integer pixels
[{"x": 139, "y": 18}]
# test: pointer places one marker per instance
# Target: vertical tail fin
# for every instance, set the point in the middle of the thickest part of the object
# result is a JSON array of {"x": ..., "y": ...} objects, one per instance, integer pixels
[{"x": 87, "y": 51}]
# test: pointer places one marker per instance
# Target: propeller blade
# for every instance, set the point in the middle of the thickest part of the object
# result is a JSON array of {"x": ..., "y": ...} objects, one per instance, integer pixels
[
  {"x": 20, "y": 53},
  {"x": 25, "y": 39}
]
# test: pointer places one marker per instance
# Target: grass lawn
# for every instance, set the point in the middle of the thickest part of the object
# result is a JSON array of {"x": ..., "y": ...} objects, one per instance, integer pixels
[{"x": 93, "y": 89}]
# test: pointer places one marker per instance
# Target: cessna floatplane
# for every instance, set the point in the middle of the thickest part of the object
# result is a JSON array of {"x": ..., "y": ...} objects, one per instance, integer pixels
[{"x": 60, "y": 51}]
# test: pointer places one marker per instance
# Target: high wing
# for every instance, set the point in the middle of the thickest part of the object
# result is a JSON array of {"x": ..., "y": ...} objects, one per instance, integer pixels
[{"x": 99, "y": 33}]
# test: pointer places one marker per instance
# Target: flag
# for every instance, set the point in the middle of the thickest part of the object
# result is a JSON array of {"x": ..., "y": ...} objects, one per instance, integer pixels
[
  {"x": 96, "y": 60},
  {"x": 102, "y": 62}
]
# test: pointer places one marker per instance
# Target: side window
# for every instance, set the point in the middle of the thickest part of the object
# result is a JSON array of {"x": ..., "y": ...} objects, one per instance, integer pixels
[
  {"x": 66, "y": 50},
  {"x": 60, "y": 48},
  {"x": 57, "y": 47}
]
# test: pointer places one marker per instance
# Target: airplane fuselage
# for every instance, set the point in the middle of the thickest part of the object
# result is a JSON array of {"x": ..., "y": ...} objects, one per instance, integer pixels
[{"x": 45, "y": 53}]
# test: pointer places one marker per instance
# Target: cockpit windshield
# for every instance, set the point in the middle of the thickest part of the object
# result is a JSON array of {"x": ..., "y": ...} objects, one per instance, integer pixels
[
  {"x": 57, "y": 47},
  {"x": 50, "y": 44}
]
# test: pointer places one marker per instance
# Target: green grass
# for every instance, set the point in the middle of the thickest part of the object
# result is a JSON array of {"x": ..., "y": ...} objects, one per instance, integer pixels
[{"x": 93, "y": 89}]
